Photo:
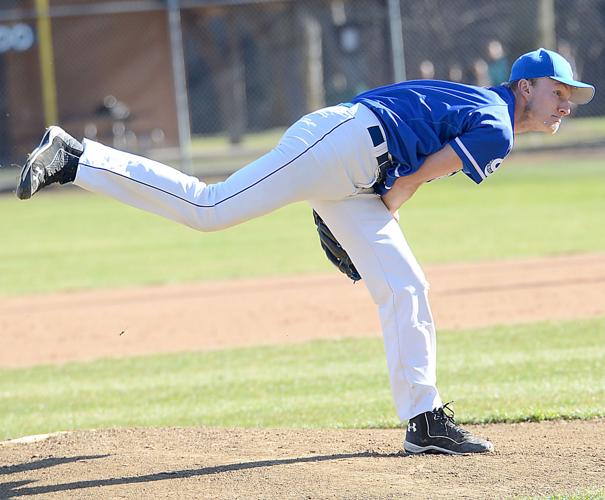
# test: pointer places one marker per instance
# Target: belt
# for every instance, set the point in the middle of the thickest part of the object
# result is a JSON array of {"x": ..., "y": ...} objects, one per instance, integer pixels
[
  {"x": 384, "y": 160},
  {"x": 377, "y": 140}
]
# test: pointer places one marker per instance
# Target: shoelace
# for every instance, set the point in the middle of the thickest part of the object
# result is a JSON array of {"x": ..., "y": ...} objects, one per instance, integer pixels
[
  {"x": 446, "y": 414},
  {"x": 56, "y": 171}
]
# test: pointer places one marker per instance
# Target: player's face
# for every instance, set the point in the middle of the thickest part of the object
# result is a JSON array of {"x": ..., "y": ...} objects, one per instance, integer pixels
[{"x": 547, "y": 102}]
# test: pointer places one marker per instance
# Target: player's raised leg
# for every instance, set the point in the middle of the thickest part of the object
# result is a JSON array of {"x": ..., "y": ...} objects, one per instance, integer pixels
[
  {"x": 377, "y": 247},
  {"x": 325, "y": 155}
]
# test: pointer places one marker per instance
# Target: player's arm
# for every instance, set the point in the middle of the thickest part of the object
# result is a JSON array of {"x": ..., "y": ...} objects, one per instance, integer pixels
[{"x": 443, "y": 162}]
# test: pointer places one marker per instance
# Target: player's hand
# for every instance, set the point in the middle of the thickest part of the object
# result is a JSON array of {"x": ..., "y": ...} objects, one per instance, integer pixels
[
  {"x": 401, "y": 191},
  {"x": 443, "y": 162}
]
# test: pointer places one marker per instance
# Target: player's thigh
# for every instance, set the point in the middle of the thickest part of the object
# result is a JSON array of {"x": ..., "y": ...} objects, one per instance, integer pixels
[
  {"x": 374, "y": 241},
  {"x": 325, "y": 155}
]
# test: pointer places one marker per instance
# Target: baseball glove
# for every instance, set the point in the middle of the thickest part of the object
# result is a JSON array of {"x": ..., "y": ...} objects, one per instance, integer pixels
[{"x": 334, "y": 251}]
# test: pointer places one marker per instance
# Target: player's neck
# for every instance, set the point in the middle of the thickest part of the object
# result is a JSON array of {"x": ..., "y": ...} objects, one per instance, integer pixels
[{"x": 522, "y": 124}]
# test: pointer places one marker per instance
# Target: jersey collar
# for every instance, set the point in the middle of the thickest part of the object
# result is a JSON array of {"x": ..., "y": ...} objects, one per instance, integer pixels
[{"x": 507, "y": 95}]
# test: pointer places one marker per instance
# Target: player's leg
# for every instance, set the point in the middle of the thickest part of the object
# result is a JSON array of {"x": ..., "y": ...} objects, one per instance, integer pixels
[
  {"x": 375, "y": 243},
  {"x": 377, "y": 247},
  {"x": 326, "y": 154}
]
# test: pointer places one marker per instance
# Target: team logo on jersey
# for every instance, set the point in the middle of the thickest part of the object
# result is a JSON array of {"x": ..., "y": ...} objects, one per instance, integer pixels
[{"x": 493, "y": 165}]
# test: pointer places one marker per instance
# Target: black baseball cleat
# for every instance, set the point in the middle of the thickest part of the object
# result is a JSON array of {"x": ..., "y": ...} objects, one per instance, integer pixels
[
  {"x": 436, "y": 432},
  {"x": 54, "y": 160}
]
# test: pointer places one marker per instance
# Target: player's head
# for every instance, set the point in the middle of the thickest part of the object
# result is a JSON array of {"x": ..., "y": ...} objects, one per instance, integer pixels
[{"x": 544, "y": 81}]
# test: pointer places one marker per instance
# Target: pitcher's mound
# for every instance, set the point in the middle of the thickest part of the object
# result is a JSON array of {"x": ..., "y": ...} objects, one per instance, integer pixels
[{"x": 531, "y": 459}]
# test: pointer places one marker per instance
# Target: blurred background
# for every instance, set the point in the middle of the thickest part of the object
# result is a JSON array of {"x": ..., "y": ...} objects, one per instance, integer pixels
[{"x": 208, "y": 85}]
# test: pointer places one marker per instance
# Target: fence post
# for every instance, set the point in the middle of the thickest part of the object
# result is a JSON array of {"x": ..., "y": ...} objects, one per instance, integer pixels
[
  {"x": 314, "y": 83},
  {"x": 180, "y": 84},
  {"x": 396, "y": 32},
  {"x": 546, "y": 20},
  {"x": 236, "y": 125},
  {"x": 47, "y": 64}
]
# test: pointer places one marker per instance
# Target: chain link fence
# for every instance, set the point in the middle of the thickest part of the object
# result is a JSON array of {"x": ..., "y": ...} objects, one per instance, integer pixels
[{"x": 106, "y": 70}]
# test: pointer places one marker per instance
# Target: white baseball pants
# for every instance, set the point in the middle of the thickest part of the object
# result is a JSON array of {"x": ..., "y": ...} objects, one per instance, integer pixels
[{"x": 327, "y": 158}]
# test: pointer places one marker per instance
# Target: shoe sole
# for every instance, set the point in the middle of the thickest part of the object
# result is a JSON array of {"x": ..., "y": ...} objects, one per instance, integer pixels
[
  {"x": 25, "y": 177},
  {"x": 415, "y": 449}
]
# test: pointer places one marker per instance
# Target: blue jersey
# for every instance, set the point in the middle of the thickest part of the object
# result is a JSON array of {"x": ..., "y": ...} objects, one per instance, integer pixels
[{"x": 420, "y": 117}]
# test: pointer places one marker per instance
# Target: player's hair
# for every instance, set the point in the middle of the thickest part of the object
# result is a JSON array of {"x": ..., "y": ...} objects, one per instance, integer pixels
[{"x": 514, "y": 84}]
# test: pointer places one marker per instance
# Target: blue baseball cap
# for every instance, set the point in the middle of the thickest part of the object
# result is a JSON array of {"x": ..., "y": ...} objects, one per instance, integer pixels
[{"x": 542, "y": 63}]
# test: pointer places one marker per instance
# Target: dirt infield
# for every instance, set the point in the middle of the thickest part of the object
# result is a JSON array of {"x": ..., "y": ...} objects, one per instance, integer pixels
[
  {"x": 137, "y": 321},
  {"x": 530, "y": 459}
]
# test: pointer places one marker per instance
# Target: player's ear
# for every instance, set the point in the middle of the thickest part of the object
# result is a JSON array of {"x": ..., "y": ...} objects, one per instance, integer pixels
[{"x": 524, "y": 88}]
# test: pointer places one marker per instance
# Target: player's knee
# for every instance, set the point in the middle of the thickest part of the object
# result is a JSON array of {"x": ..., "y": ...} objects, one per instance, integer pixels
[
  {"x": 411, "y": 292},
  {"x": 386, "y": 291},
  {"x": 409, "y": 304},
  {"x": 206, "y": 225}
]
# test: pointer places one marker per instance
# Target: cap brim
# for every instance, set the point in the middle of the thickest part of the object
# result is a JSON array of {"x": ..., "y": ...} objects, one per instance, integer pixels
[{"x": 581, "y": 93}]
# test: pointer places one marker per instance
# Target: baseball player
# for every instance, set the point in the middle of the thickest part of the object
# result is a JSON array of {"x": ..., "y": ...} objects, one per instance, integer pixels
[{"x": 355, "y": 163}]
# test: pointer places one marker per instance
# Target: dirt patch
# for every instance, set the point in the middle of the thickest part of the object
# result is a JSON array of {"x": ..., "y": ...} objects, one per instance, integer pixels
[
  {"x": 137, "y": 321},
  {"x": 530, "y": 459}
]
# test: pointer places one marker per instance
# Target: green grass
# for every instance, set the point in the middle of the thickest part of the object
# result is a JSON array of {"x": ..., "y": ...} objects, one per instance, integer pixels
[
  {"x": 69, "y": 239},
  {"x": 549, "y": 207},
  {"x": 78, "y": 240},
  {"x": 505, "y": 374},
  {"x": 598, "y": 494}
]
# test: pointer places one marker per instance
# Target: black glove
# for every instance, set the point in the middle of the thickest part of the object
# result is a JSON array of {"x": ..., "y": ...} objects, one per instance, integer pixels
[{"x": 334, "y": 251}]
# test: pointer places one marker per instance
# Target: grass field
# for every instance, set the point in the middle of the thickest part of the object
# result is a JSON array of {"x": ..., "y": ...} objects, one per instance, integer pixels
[
  {"x": 501, "y": 374},
  {"x": 69, "y": 240}
]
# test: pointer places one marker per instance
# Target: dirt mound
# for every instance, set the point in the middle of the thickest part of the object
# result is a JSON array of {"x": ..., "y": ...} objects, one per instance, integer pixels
[
  {"x": 530, "y": 459},
  {"x": 215, "y": 315}
]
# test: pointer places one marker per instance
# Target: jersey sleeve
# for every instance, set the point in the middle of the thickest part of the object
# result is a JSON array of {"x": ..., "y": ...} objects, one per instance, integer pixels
[{"x": 485, "y": 144}]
